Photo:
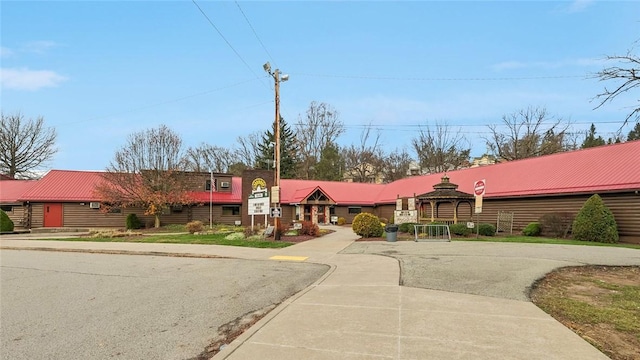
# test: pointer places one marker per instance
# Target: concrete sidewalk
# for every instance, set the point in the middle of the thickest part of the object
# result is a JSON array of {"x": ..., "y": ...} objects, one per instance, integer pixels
[{"x": 359, "y": 311}]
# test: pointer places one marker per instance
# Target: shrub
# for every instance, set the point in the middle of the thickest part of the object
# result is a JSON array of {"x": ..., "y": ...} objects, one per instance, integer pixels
[
  {"x": 133, "y": 222},
  {"x": 6, "y": 225},
  {"x": 406, "y": 227},
  {"x": 249, "y": 232},
  {"x": 235, "y": 236},
  {"x": 384, "y": 220},
  {"x": 309, "y": 228},
  {"x": 532, "y": 229},
  {"x": 486, "y": 229},
  {"x": 557, "y": 224},
  {"x": 367, "y": 225},
  {"x": 595, "y": 222},
  {"x": 459, "y": 229},
  {"x": 194, "y": 226},
  {"x": 342, "y": 221}
]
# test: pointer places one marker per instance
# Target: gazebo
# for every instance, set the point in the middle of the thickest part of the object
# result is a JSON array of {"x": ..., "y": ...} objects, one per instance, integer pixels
[{"x": 445, "y": 204}]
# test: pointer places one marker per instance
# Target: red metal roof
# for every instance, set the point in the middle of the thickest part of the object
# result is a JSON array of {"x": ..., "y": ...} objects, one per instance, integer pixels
[
  {"x": 11, "y": 190},
  {"x": 64, "y": 185},
  {"x": 343, "y": 193},
  {"x": 604, "y": 168},
  {"x": 233, "y": 197}
]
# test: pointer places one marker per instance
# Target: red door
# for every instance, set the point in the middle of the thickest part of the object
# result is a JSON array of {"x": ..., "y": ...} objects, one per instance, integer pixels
[{"x": 52, "y": 215}]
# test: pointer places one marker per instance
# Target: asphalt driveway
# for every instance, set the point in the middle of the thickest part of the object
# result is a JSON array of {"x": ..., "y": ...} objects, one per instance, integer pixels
[
  {"x": 59, "y": 305},
  {"x": 504, "y": 270}
]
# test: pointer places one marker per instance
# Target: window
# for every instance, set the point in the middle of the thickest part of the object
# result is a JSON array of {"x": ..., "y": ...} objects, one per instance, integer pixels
[
  {"x": 207, "y": 185},
  {"x": 228, "y": 210},
  {"x": 115, "y": 210},
  {"x": 355, "y": 209},
  {"x": 6, "y": 208}
]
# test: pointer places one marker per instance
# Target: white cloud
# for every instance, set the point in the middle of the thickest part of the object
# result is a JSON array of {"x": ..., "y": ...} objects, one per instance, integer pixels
[
  {"x": 579, "y": 5},
  {"x": 5, "y": 52},
  {"x": 38, "y": 47},
  {"x": 25, "y": 79}
]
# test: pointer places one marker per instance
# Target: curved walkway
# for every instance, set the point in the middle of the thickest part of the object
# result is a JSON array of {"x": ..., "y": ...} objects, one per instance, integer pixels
[{"x": 358, "y": 310}]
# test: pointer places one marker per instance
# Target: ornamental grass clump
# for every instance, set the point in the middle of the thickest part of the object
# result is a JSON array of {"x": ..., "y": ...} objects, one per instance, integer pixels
[
  {"x": 195, "y": 226},
  {"x": 367, "y": 225},
  {"x": 595, "y": 222}
]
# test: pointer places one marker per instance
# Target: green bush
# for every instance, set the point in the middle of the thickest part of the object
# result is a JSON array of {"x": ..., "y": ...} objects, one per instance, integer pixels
[
  {"x": 194, "y": 226},
  {"x": 595, "y": 222},
  {"x": 133, "y": 222},
  {"x": 342, "y": 221},
  {"x": 6, "y": 225},
  {"x": 406, "y": 227},
  {"x": 556, "y": 224},
  {"x": 367, "y": 225},
  {"x": 486, "y": 229},
  {"x": 459, "y": 229},
  {"x": 533, "y": 229}
]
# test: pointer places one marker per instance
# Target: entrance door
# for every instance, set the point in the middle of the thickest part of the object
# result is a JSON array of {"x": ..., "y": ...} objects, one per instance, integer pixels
[
  {"x": 52, "y": 215},
  {"x": 321, "y": 214}
]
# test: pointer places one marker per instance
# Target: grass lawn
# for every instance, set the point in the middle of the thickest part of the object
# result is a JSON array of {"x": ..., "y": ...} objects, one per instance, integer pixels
[
  {"x": 525, "y": 240},
  {"x": 543, "y": 240},
  {"x": 208, "y": 239},
  {"x": 599, "y": 303}
]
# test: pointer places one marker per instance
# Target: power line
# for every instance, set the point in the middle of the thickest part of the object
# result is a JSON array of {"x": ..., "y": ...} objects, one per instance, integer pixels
[
  {"x": 396, "y": 78},
  {"x": 168, "y": 102},
  {"x": 256, "y": 34},
  {"x": 227, "y": 41}
]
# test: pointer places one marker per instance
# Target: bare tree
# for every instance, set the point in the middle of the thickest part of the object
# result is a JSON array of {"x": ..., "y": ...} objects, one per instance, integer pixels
[
  {"x": 248, "y": 150},
  {"x": 207, "y": 157},
  {"x": 395, "y": 165},
  {"x": 529, "y": 132},
  {"x": 363, "y": 162},
  {"x": 441, "y": 149},
  {"x": 320, "y": 128},
  {"x": 626, "y": 76},
  {"x": 26, "y": 144},
  {"x": 148, "y": 172}
]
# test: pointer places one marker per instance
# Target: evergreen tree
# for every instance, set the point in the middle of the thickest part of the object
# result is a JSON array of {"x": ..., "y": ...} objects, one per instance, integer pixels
[
  {"x": 634, "y": 134},
  {"x": 331, "y": 164},
  {"x": 595, "y": 222},
  {"x": 591, "y": 140},
  {"x": 288, "y": 151}
]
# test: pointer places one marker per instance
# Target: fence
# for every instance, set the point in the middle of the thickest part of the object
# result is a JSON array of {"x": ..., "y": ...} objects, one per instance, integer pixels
[
  {"x": 432, "y": 232},
  {"x": 505, "y": 222}
]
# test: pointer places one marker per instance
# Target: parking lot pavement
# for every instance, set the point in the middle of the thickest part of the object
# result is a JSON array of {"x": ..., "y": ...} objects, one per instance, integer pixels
[
  {"x": 60, "y": 305},
  {"x": 503, "y": 270}
]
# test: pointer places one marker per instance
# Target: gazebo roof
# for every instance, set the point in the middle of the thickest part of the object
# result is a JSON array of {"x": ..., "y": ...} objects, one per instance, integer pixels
[{"x": 445, "y": 190}]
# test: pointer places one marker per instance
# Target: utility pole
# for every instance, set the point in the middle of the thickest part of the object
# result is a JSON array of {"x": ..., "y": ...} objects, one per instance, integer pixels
[
  {"x": 277, "y": 78},
  {"x": 276, "y": 220}
]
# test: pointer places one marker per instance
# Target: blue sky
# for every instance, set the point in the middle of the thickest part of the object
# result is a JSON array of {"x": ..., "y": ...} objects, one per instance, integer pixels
[{"x": 99, "y": 71}]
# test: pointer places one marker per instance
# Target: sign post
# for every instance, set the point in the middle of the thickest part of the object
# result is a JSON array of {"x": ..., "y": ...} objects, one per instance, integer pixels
[{"x": 478, "y": 190}]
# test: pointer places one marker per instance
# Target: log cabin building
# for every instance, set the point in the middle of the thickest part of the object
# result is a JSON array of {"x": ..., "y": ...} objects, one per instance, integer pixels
[{"x": 528, "y": 189}]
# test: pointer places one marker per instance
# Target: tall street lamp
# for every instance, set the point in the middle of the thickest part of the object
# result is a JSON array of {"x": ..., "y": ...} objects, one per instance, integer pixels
[{"x": 277, "y": 77}]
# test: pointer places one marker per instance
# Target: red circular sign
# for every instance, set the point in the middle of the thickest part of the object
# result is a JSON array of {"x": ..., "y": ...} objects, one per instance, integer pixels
[{"x": 478, "y": 187}]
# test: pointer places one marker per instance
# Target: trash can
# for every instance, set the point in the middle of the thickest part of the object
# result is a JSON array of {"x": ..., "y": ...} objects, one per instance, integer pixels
[{"x": 392, "y": 232}]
